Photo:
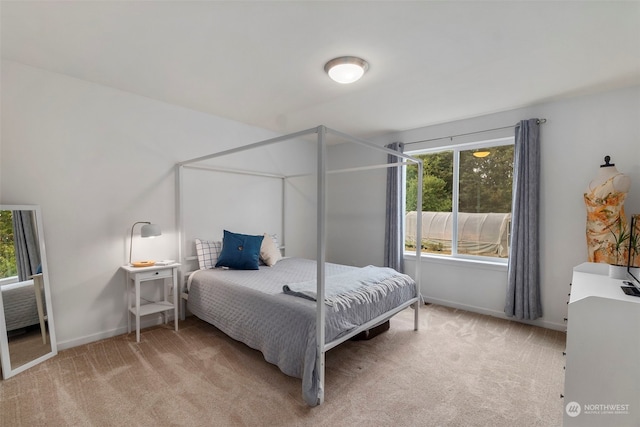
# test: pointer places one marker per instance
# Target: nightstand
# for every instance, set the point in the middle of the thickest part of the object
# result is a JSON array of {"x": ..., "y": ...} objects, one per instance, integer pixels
[{"x": 138, "y": 275}]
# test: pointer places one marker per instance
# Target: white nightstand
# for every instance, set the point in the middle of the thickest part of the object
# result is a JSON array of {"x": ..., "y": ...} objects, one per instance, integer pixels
[{"x": 138, "y": 275}]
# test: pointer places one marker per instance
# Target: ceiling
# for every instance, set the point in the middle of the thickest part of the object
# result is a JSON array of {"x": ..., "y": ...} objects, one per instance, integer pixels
[{"x": 261, "y": 63}]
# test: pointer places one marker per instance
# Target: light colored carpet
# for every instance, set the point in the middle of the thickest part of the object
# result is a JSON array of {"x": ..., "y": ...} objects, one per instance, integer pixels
[{"x": 460, "y": 369}]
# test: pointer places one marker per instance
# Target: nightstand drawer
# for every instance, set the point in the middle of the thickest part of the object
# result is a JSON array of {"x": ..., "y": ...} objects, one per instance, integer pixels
[{"x": 158, "y": 274}]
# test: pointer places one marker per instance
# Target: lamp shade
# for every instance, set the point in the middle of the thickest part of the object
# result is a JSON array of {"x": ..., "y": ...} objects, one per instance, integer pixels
[
  {"x": 346, "y": 69},
  {"x": 150, "y": 230}
]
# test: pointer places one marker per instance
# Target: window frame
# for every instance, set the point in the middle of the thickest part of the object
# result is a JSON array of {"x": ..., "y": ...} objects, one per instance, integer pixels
[{"x": 456, "y": 148}]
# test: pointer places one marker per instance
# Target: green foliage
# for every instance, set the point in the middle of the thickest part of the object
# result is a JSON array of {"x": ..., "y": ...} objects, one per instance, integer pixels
[
  {"x": 7, "y": 250},
  {"x": 437, "y": 182},
  {"x": 621, "y": 240},
  {"x": 484, "y": 183},
  {"x": 436, "y": 196}
]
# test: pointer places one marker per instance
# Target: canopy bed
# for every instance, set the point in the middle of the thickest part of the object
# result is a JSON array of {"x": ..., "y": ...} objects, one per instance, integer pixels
[{"x": 293, "y": 310}]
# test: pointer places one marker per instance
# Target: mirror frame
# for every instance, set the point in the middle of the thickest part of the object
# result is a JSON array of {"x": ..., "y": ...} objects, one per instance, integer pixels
[{"x": 7, "y": 372}]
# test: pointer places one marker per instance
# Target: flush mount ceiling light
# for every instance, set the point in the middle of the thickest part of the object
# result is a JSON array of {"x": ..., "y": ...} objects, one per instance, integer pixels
[
  {"x": 481, "y": 153},
  {"x": 346, "y": 69}
]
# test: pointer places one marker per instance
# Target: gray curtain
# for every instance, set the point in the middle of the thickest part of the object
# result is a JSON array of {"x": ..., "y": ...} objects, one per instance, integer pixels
[
  {"x": 394, "y": 224},
  {"x": 25, "y": 241},
  {"x": 523, "y": 292}
]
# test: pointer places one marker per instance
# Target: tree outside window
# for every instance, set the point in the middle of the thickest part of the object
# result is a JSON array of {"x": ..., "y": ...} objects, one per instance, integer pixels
[
  {"x": 479, "y": 217},
  {"x": 8, "y": 266}
]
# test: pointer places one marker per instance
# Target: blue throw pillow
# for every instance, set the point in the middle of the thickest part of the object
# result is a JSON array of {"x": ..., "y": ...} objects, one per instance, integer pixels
[{"x": 240, "y": 251}]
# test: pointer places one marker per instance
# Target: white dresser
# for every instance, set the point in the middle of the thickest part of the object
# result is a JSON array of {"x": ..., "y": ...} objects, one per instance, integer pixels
[{"x": 602, "y": 378}]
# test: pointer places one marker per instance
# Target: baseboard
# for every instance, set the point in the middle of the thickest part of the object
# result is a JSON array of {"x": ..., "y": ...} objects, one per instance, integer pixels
[
  {"x": 494, "y": 313},
  {"x": 145, "y": 322}
]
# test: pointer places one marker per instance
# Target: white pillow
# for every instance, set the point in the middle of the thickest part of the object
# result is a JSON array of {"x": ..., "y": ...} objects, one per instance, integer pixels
[
  {"x": 269, "y": 251},
  {"x": 208, "y": 253}
]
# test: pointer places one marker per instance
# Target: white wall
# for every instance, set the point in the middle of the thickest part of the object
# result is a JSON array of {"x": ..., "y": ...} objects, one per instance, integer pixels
[
  {"x": 578, "y": 134},
  {"x": 96, "y": 160},
  {"x": 355, "y": 207}
]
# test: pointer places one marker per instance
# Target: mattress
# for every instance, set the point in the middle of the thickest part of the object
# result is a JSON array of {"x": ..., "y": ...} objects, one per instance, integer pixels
[{"x": 250, "y": 306}]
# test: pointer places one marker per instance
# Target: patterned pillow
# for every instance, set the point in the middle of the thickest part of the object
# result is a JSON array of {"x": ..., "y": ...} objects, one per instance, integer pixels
[
  {"x": 208, "y": 253},
  {"x": 240, "y": 251}
]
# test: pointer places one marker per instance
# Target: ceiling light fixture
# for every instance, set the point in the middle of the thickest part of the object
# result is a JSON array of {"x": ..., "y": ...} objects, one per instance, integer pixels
[
  {"x": 481, "y": 153},
  {"x": 346, "y": 69}
]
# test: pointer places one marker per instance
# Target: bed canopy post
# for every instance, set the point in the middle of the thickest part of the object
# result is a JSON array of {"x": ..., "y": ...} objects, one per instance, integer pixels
[
  {"x": 321, "y": 246},
  {"x": 180, "y": 234},
  {"x": 283, "y": 220}
]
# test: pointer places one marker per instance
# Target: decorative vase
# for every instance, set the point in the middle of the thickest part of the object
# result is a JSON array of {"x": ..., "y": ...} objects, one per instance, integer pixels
[{"x": 618, "y": 271}]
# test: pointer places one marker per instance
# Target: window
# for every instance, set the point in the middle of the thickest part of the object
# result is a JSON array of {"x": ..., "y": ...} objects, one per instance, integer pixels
[
  {"x": 466, "y": 200},
  {"x": 7, "y": 251}
]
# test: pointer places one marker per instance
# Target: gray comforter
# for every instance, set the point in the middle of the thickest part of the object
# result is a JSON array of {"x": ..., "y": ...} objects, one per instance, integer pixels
[
  {"x": 20, "y": 309},
  {"x": 251, "y": 307}
]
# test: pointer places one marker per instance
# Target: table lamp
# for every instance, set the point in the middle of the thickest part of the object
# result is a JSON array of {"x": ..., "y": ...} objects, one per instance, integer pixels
[{"x": 147, "y": 230}]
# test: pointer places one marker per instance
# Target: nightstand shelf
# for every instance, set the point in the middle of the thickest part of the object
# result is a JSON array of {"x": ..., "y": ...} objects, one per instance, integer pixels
[
  {"x": 156, "y": 307},
  {"x": 169, "y": 302}
]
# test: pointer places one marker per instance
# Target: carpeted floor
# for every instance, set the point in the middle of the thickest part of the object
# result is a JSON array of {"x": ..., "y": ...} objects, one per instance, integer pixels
[{"x": 460, "y": 369}]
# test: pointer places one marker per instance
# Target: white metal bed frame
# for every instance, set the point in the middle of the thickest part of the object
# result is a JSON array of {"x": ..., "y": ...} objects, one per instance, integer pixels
[{"x": 322, "y": 171}]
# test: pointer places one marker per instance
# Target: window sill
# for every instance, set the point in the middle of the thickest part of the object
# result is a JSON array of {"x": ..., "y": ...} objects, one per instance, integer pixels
[
  {"x": 459, "y": 262},
  {"x": 8, "y": 280}
]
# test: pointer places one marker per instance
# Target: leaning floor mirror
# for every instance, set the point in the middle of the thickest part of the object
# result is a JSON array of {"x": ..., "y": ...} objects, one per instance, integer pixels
[{"x": 27, "y": 334}]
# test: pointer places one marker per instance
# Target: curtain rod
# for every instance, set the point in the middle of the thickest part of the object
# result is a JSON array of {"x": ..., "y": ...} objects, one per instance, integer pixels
[{"x": 539, "y": 121}]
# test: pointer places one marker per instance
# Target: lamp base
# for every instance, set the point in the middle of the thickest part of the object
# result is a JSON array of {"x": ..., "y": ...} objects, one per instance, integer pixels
[{"x": 143, "y": 263}]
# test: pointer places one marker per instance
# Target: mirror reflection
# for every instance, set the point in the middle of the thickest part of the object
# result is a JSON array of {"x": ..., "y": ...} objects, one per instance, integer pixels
[{"x": 22, "y": 283}]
